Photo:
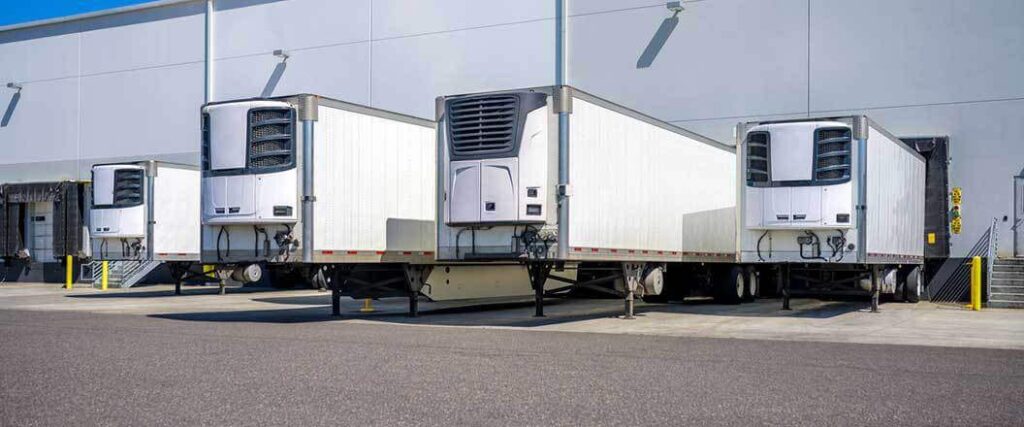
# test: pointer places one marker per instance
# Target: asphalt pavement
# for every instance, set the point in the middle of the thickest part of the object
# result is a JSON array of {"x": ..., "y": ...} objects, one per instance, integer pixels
[{"x": 112, "y": 369}]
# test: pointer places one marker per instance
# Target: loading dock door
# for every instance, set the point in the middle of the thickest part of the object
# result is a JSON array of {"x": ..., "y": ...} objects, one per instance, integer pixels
[
  {"x": 1018, "y": 216},
  {"x": 936, "y": 198}
]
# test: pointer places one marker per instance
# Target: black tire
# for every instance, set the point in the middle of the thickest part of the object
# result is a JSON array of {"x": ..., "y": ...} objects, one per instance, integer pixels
[
  {"x": 913, "y": 286},
  {"x": 731, "y": 286},
  {"x": 753, "y": 284}
]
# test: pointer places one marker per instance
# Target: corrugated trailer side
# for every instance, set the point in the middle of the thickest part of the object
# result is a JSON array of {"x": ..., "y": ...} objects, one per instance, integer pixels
[
  {"x": 374, "y": 186},
  {"x": 642, "y": 189},
  {"x": 176, "y": 213},
  {"x": 895, "y": 200}
]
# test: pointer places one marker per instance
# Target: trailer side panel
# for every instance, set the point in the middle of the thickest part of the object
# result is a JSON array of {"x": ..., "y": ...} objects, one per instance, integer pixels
[
  {"x": 636, "y": 186},
  {"x": 895, "y": 200},
  {"x": 374, "y": 184},
  {"x": 176, "y": 212}
]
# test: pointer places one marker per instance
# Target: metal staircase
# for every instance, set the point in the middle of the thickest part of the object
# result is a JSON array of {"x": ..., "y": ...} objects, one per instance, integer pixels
[
  {"x": 1007, "y": 286},
  {"x": 125, "y": 273}
]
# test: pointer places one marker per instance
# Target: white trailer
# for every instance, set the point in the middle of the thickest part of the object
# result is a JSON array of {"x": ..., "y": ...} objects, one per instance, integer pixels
[
  {"x": 556, "y": 178},
  {"x": 834, "y": 203},
  {"x": 144, "y": 214},
  {"x": 338, "y": 194}
]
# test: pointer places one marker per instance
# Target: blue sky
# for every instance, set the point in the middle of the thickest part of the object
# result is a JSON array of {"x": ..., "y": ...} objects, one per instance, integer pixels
[{"x": 18, "y": 11}]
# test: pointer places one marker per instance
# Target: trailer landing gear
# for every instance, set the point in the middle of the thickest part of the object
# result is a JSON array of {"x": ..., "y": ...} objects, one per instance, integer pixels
[
  {"x": 784, "y": 279},
  {"x": 875, "y": 288},
  {"x": 416, "y": 277},
  {"x": 632, "y": 273},
  {"x": 375, "y": 282},
  {"x": 539, "y": 272}
]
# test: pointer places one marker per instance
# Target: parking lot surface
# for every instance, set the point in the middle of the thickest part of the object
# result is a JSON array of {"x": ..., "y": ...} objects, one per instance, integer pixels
[{"x": 275, "y": 358}]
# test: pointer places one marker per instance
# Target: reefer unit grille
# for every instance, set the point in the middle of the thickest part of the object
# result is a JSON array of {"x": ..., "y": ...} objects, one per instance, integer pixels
[
  {"x": 757, "y": 158},
  {"x": 128, "y": 187},
  {"x": 483, "y": 125},
  {"x": 271, "y": 138},
  {"x": 832, "y": 154}
]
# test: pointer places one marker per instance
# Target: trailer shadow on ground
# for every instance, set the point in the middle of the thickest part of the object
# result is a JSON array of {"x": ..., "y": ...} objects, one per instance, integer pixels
[
  {"x": 169, "y": 293},
  {"x": 316, "y": 308}
]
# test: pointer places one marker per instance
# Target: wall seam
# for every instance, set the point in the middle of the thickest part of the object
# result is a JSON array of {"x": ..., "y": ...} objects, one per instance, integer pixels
[
  {"x": 369, "y": 62},
  {"x": 808, "y": 58},
  {"x": 78, "y": 112},
  {"x": 841, "y": 110}
]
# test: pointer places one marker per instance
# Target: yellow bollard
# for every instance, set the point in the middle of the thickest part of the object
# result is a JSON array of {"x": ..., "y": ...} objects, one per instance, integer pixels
[
  {"x": 103, "y": 278},
  {"x": 367, "y": 306},
  {"x": 976, "y": 283},
  {"x": 69, "y": 282}
]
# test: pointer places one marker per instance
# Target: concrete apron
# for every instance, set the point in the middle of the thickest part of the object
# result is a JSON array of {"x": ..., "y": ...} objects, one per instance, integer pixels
[{"x": 810, "y": 320}]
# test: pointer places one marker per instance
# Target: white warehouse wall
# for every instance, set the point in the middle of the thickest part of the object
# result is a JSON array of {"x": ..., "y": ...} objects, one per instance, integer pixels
[
  {"x": 130, "y": 85},
  {"x": 102, "y": 89}
]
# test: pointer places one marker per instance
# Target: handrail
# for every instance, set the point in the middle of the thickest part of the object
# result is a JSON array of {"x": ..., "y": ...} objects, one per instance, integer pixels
[{"x": 993, "y": 248}]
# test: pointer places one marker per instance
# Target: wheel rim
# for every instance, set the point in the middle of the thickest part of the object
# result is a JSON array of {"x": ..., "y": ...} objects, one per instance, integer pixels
[
  {"x": 753, "y": 284},
  {"x": 740, "y": 285}
]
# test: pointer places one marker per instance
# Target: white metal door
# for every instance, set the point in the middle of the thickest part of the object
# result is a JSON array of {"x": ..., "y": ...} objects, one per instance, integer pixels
[
  {"x": 464, "y": 198},
  {"x": 498, "y": 190},
  {"x": 805, "y": 205},
  {"x": 1018, "y": 216},
  {"x": 41, "y": 223},
  {"x": 777, "y": 205}
]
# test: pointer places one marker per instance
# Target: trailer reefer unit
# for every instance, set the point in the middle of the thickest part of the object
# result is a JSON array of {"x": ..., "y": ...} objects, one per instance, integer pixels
[
  {"x": 41, "y": 224},
  {"x": 145, "y": 214},
  {"x": 337, "y": 193},
  {"x": 559, "y": 179},
  {"x": 834, "y": 201}
]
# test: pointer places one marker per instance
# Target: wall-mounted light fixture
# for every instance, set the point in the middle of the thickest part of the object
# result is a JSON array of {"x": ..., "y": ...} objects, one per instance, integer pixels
[
  {"x": 282, "y": 54},
  {"x": 14, "y": 86}
]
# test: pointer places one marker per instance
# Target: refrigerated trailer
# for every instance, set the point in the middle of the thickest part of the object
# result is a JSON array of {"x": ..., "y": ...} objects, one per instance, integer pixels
[
  {"x": 564, "y": 181},
  {"x": 832, "y": 204},
  {"x": 336, "y": 194},
  {"x": 321, "y": 189},
  {"x": 145, "y": 214}
]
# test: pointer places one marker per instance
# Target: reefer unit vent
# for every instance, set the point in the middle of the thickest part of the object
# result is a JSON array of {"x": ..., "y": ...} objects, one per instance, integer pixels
[
  {"x": 757, "y": 158},
  {"x": 832, "y": 159},
  {"x": 127, "y": 187},
  {"x": 488, "y": 125},
  {"x": 271, "y": 138}
]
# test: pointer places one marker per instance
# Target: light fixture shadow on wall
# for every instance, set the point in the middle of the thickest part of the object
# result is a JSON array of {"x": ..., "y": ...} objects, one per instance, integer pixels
[
  {"x": 12, "y": 105},
  {"x": 661, "y": 36},
  {"x": 275, "y": 76}
]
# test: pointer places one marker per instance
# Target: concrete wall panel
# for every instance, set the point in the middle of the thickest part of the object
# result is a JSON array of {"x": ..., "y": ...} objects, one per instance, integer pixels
[
  {"x": 167, "y": 36},
  {"x": 249, "y": 27},
  {"x": 118, "y": 119},
  {"x": 401, "y": 18},
  {"x": 915, "y": 52},
  {"x": 725, "y": 58},
  {"x": 339, "y": 72},
  {"x": 409, "y": 73}
]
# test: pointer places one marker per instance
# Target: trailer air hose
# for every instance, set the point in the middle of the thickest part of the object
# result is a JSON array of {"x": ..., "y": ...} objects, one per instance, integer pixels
[
  {"x": 284, "y": 241},
  {"x": 815, "y": 243},
  {"x": 759, "y": 239},
  {"x": 837, "y": 249},
  {"x": 256, "y": 230},
  {"x": 226, "y": 233}
]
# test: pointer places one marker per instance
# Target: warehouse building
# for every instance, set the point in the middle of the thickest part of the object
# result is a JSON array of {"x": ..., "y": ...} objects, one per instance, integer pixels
[{"x": 127, "y": 84}]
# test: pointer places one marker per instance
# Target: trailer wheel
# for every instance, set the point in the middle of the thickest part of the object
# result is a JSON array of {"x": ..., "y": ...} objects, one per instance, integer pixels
[
  {"x": 753, "y": 284},
  {"x": 731, "y": 286},
  {"x": 912, "y": 287}
]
